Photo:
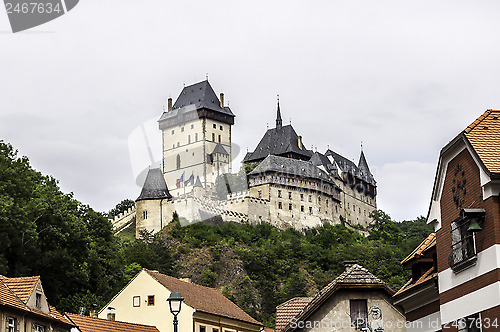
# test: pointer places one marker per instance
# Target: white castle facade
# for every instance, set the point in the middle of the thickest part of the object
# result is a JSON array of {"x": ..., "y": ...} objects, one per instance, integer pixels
[{"x": 288, "y": 186}]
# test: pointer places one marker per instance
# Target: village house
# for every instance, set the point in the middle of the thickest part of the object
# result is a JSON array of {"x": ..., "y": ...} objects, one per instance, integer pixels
[
  {"x": 95, "y": 324},
  {"x": 144, "y": 301},
  {"x": 354, "y": 301},
  {"x": 455, "y": 283},
  {"x": 24, "y": 307},
  {"x": 420, "y": 295}
]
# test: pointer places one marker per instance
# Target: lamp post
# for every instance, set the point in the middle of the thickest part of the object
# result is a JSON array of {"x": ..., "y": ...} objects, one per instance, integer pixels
[{"x": 174, "y": 302}]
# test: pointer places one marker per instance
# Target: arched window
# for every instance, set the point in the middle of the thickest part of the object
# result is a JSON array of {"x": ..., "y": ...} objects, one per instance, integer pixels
[{"x": 178, "y": 162}]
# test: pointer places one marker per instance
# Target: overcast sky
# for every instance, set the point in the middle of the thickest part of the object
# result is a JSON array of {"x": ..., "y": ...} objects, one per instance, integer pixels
[{"x": 403, "y": 77}]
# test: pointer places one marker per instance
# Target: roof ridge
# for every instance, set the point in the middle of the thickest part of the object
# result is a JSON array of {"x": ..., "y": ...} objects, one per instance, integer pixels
[
  {"x": 14, "y": 293},
  {"x": 477, "y": 121}
]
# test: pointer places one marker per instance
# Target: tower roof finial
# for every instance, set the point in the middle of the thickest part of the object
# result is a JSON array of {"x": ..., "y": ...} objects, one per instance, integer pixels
[{"x": 279, "y": 122}]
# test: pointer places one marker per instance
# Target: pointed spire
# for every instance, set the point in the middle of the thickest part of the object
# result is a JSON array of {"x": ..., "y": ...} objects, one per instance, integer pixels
[{"x": 279, "y": 122}]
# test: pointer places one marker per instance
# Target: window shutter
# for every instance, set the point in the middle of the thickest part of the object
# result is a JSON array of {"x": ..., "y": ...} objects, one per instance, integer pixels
[{"x": 7, "y": 324}]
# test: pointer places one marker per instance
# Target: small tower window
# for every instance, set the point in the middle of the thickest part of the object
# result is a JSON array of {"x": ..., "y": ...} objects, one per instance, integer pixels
[
  {"x": 290, "y": 206},
  {"x": 221, "y": 128},
  {"x": 145, "y": 214},
  {"x": 213, "y": 137},
  {"x": 215, "y": 126},
  {"x": 196, "y": 137},
  {"x": 219, "y": 139},
  {"x": 192, "y": 126},
  {"x": 280, "y": 205},
  {"x": 182, "y": 129},
  {"x": 189, "y": 139},
  {"x": 173, "y": 131},
  {"x": 178, "y": 161}
]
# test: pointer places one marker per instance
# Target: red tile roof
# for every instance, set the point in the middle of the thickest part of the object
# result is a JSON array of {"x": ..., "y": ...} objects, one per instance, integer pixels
[
  {"x": 23, "y": 287},
  {"x": 484, "y": 136},
  {"x": 204, "y": 299},
  {"x": 15, "y": 293},
  {"x": 428, "y": 275},
  {"x": 91, "y": 324},
  {"x": 291, "y": 308},
  {"x": 354, "y": 276},
  {"x": 429, "y": 242}
]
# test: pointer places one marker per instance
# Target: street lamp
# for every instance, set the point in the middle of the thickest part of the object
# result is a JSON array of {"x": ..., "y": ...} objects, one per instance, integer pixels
[{"x": 174, "y": 302}]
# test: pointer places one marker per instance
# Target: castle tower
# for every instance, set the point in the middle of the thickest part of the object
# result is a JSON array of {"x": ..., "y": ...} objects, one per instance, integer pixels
[{"x": 196, "y": 133}]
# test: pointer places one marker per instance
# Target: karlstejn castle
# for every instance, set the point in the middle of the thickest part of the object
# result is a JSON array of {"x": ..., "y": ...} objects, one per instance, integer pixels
[{"x": 287, "y": 185}]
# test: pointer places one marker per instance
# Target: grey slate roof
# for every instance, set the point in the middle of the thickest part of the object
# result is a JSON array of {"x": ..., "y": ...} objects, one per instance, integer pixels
[
  {"x": 291, "y": 166},
  {"x": 319, "y": 159},
  {"x": 194, "y": 97},
  {"x": 278, "y": 141},
  {"x": 220, "y": 149},
  {"x": 197, "y": 182},
  {"x": 365, "y": 170},
  {"x": 154, "y": 186},
  {"x": 345, "y": 165}
]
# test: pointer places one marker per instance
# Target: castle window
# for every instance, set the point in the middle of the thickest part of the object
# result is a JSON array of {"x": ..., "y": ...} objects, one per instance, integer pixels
[
  {"x": 289, "y": 195},
  {"x": 173, "y": 131},
  {"x": 145, "y": 214},
  {"x": 178, "y": 144},
  {"x": 310, "y": 198},
  {"x": 221, "y": 128},
  {"x": 219, "y": 139},
  {"x": 192, "y": 126},
  {"x": 182, "y": 129},
  {"x": 302, "y": 208},
  {"x": 178, "y": 162},
  {"x": 301, "y": 197},
  {"x": 215, "y": 126},
  {"x": 279, "y": 205},
  {"x": 279, "y": 193},
  {"x": 327, "y": 203},
  {"x": 213, "y": 137},
  {"x": 310, "y": 210},
  {"x": 319, "y": 200},
  {"x": 290, "y": 206},
  {"x": 189, "y": 139},
  {"x": 260, "y": 193}
]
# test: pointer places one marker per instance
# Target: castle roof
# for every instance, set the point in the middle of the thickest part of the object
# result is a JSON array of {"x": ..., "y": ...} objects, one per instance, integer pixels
[
  {"x": 219, "y": 149},
  {"x": 364, "y": 170},
  {"x": 319, "y": 159},
  {"x": 197, "y": 182},
  {"x": 196, "y": 97},
  {"x": 154, "y": 186},
  {"x": 280, "y": 141},
  {"x": 354, "y": 277},
  {"x": 297, "y": 167}
]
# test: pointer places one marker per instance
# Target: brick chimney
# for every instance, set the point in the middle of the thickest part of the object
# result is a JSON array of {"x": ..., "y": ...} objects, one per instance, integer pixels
[
  {"x": 221, "y": 100},
  {"x": 169, "y": 105}
]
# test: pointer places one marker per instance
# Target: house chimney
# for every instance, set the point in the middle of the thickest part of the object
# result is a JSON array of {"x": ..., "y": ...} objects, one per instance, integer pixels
[
  {"x": 221, "y": 100},
  {"x": 349, "y": 264},
  {"x": 299, "y": 143},
  {"x": 169, "y": 105}
]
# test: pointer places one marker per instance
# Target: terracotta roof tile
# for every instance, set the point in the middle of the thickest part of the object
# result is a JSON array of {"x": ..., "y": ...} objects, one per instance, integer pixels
[
  {"x": 426, "y": 244},
  {"x": 428, "y": 275},
  {"x": 22, "y": 286},
  {"x": 484, "y": 136},
  {"x": 91, "y": 324},
  {"x": 9, "y": 297},
  {"x": 291, "y": 308},
  {"x": 203, "y": 298}
]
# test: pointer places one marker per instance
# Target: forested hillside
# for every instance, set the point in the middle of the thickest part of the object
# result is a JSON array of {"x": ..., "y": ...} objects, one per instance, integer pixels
[{"x": 72, "y": 247}]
